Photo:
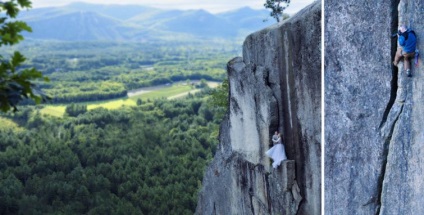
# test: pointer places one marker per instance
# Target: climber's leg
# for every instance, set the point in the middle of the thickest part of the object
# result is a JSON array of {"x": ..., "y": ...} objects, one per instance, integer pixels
[
  {"x": 407, "y": 60},
  {"x": 398, "y": 56},
  {"x": 408, "y": 57}
]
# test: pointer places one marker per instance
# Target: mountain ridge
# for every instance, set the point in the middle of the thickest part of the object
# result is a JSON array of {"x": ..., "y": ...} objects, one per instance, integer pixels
[{"x": 88, "y": 22}]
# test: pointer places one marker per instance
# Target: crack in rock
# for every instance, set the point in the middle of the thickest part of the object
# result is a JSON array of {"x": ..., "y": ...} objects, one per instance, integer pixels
[{"x": 394, "y": 108}]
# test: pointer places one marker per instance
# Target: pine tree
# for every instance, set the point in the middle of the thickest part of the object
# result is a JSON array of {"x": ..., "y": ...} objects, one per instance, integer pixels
[{"x": 277, "y": 7}]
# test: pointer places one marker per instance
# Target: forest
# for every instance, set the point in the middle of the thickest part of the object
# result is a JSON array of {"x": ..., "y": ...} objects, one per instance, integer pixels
[
  {"x": 147, "y": 159},
  {"x": 93, "y": 71}
]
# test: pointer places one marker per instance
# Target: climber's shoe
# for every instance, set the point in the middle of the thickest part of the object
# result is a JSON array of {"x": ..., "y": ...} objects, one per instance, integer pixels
[{"x": 408, "y": 73}]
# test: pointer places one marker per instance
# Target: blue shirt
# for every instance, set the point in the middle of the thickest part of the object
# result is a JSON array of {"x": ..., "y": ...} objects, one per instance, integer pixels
[{"x": 408, "y": 41}]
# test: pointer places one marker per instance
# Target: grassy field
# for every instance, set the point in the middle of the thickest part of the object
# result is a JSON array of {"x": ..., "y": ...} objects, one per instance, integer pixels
[
  {"x": 164, "y": 92},
  {"x": 7, "y": 124},
  {"x": 169, "y": 92},
  {"x": 54, "y": 110}
]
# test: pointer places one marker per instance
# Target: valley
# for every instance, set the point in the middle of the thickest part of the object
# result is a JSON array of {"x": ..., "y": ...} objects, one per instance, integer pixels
[
  {"x": 175, "y": 91},
  {"x": 129, "y": 125},
  {"x": 133, "y": 119}
]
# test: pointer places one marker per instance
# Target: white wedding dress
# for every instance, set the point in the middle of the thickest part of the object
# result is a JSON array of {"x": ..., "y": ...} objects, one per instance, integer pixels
[{"x": 277, "y": 153}]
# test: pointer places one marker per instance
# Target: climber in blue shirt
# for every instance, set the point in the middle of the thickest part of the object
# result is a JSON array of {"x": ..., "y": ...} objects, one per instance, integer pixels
[{"x": 408, "y": 41}]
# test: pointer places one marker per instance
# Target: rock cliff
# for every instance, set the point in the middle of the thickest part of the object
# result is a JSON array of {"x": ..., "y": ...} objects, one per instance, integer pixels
[
  {"x": 374, "y": 113},
  {"x": 275, "y": 86}
]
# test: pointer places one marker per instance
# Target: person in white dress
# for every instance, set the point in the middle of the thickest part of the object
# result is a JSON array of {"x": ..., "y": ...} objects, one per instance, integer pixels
[{"x": 277, "y": 152}]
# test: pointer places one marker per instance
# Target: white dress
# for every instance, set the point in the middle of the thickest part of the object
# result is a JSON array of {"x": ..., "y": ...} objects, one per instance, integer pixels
[{"x": 277, "y": 153}]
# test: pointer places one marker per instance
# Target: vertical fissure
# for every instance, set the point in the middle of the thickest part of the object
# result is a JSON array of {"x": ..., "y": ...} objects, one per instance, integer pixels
[
  {"x": 395, "y": 72},
  {"x": 268, "y": 193},
  {"x": 393, "y": 93},
  {"x": 384, "y": 162}
]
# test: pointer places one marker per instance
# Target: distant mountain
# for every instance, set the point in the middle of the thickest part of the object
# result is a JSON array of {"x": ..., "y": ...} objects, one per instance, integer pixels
[
  {"x": 78, "y": 26},
  {"x": 122, "y": 12},
  {"x": 152, "y": 18},
  {"x": 87, "y": 22},
  {"x": 200, "y": 23},
  {"x": 247, "y": 18}
]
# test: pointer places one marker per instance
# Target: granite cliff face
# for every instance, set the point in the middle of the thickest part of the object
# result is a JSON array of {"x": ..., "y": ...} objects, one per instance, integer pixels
[
  {"x": 275, "y": 86},
  {"x": 374, "y": 113}
]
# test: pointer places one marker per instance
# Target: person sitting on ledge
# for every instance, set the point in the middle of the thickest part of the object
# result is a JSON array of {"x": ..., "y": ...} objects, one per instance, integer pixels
[{"x": 277, "y": 152}]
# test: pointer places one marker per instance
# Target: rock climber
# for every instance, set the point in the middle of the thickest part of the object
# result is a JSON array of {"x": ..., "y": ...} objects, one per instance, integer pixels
[{"x": 408, "y": 41}]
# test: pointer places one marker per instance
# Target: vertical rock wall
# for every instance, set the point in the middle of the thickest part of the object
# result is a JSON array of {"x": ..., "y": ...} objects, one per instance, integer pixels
[
  {"x": 373, "y": 112},
  {"x": 276, "y": 85},
  {"x": 358, "y": 76},
  {"x": 403, "y": 184}
]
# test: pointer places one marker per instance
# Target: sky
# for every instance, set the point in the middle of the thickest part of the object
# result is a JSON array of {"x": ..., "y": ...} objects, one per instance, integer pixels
[{"x": 213, "y": 6}]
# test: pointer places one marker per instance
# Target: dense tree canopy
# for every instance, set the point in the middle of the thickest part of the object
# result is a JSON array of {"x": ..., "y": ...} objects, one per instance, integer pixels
[
  {"x": 93, "y": 71},
  {"x": 147, "y": 159},
  {"x": 220, "y": 97}
]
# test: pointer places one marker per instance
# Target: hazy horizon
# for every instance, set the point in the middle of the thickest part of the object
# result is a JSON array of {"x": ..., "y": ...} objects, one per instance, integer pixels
[{"x": 213, "y": 6}]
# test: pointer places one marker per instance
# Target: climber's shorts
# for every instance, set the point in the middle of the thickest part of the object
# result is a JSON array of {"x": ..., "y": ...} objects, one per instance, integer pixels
[{"x": 408, "y": 55}]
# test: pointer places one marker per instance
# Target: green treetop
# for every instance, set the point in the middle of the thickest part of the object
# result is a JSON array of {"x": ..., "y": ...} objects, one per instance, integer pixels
[
  {"x": 16, "y": 84},
  {"x": 277, "y": 7}
]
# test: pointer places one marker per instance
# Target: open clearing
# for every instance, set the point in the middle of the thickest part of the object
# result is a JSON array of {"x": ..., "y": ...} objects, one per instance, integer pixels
[
  {"x": 165, "y": 91},
  {"x": 7, "y": 125}
]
